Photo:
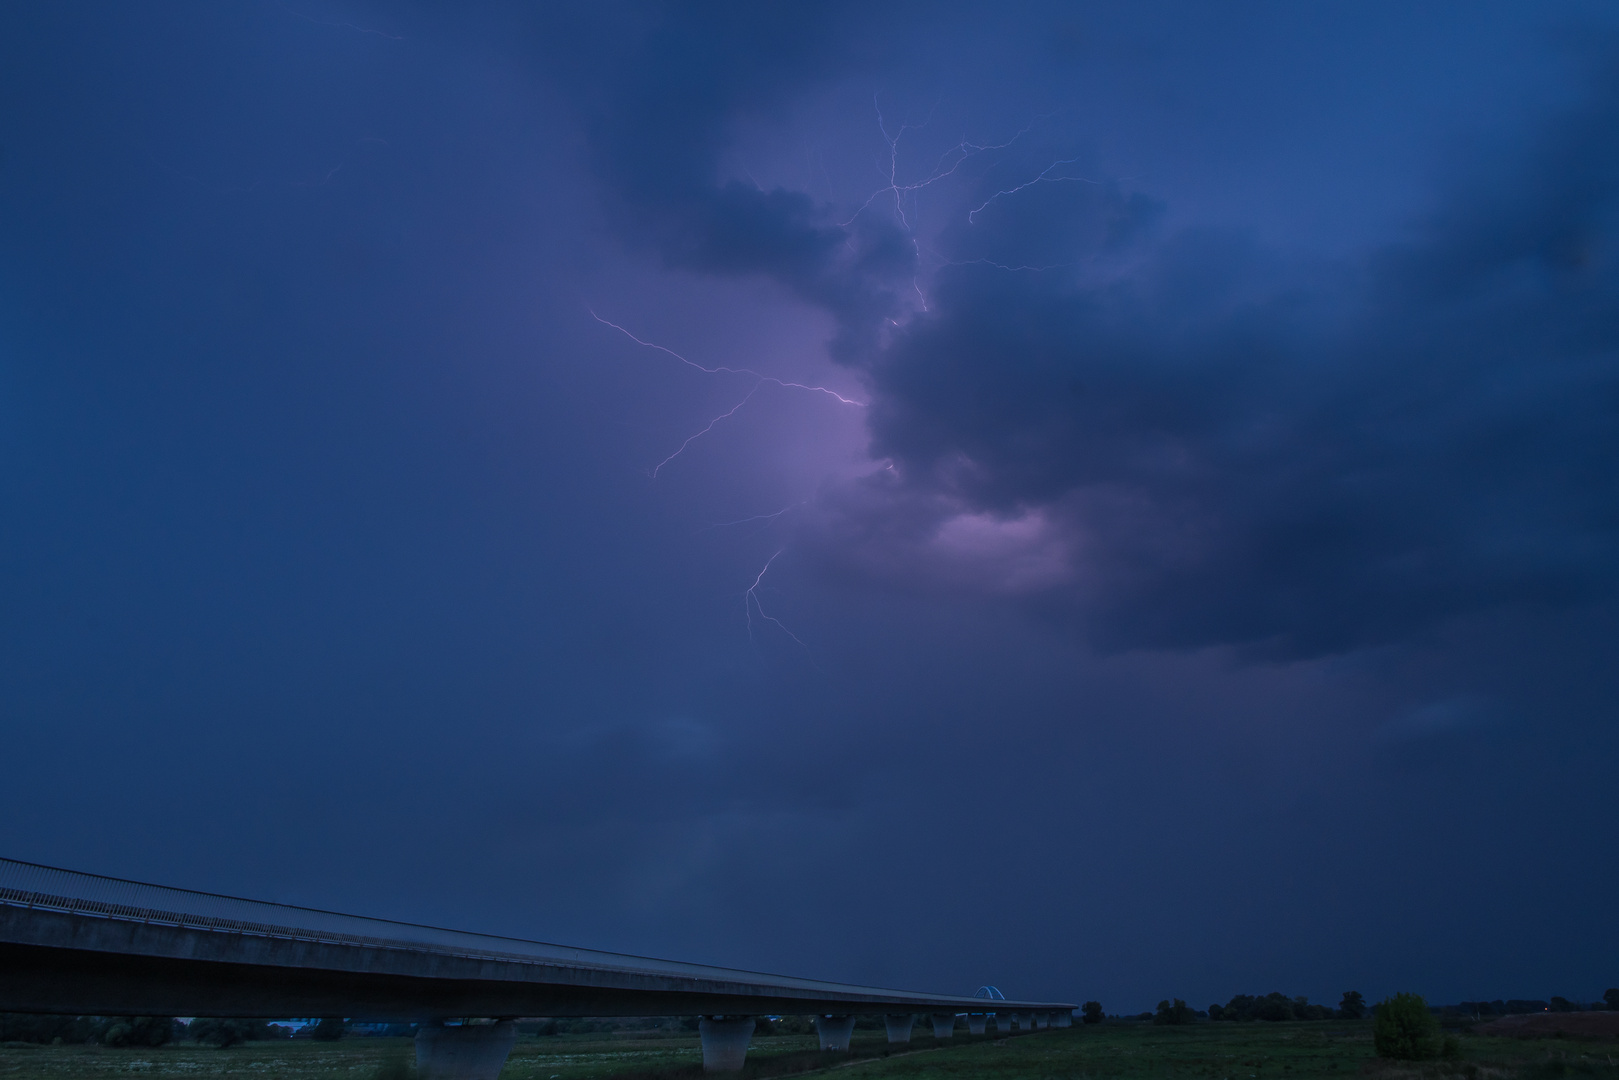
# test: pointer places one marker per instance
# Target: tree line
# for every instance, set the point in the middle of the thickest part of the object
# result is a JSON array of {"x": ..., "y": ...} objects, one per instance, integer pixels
[
  {"x": 152, "y": 1030},
  {"x": 1277, "y": 1006}
]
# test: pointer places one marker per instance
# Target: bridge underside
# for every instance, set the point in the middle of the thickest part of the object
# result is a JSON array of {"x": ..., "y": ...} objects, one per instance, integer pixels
[
  {"x": 48, "y": 980},
  {"x": 58, "y": 962}
]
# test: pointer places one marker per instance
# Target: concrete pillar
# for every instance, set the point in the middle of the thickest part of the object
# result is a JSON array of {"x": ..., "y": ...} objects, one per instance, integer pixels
[
  {"x": 466, "y": 1052},
  {"x": 1003, "y": 1023},
  {"x": 1042, "y": 1021},
  {"x": 725, "y": 1042},
  {"x": 976, "y": 1022},
  {"x": 834, "y": 1031},
  {"x": 899, "y": 1027},
  {"x": 1064, "y": 1018},
  {"x": 1025, "y": 1021},
  {"x": 944, "y": 1025}
]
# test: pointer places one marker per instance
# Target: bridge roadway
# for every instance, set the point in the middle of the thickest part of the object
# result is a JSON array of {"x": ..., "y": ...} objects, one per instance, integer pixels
[{"x": 91, "y": 945}]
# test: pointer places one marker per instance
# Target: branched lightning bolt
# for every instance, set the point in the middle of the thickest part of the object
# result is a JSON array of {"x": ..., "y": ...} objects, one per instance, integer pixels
[
  {"x": 907, "y": 208},
  {"x": 750, "y": 603},
  {"x": 946, "y": 166},
  {"x": 949, "y": 161},
  {"x": 693, "y": 438},
  {"x": 1043, "y": 178},
  {"x": 749, "y": 520},
  {"x": 758, "y": 381},
  {"x": 728, "y": 370}
]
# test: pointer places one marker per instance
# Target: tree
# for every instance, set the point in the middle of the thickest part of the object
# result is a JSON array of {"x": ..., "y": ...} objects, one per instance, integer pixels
[
  {"x": 330, "y": 1029},
  {"x": 1092, "y": 1013},
  {"x": 1353, "y": 1006},
  {"x": 1563, "y": 1004},
  {"x": 1273, "y": 1006},
  {"x": 1177, "y": 1013},
  {"x": 1405, "y": 1030},
  {"x": 1611, "y": 996}
]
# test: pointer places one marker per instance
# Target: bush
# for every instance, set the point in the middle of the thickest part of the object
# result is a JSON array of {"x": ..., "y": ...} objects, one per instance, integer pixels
[
  {"x": 1353, "y": 1005},
  {"x": 1091, "y": 1013},
  {"x": 1405, "y": 1030}
]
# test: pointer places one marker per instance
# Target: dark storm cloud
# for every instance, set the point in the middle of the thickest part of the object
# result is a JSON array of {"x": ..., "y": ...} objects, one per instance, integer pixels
[
  {"x": 1238, "y": 448},
  {"x": 1183, "y": 439},
  {"x": 660, "y": 107}
]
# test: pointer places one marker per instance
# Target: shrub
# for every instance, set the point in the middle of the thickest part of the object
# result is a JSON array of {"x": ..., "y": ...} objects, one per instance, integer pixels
[
  {"x": 1405, "y": 1030},
  {"x": 1353, "y": 1006},
  {"x": 1092, "y": 1013}
]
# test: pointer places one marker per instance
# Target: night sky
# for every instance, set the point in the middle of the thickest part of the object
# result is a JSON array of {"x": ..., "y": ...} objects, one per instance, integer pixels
[{"x": 1111, "y": 500}]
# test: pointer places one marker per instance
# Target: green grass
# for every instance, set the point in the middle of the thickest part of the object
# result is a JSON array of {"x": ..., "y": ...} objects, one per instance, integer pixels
[{"x": 1253, "y": 1051}]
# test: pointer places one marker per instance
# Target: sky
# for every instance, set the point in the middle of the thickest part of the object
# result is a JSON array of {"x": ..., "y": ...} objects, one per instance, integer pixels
[{"x": 1112, "y": 500}]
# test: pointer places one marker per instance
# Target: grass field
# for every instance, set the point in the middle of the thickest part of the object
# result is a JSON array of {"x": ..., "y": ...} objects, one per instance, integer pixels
[{"x": 1125, "y": 1051}]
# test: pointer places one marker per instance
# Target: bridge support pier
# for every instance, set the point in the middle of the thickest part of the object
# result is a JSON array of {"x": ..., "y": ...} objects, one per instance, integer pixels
[
  {"x": 466, "y": 1052},
  {"x": 976, "y": 1022},
  {"x": 899, "y": 1026},
  {"x": 1003, "y": 1023},
  {"x": 725, "y": 1042},
  {"x": 834, "y": 1031},
  {"x": 1062, "y": 1019},
  {"x": 1042, "y": 1021},
  {"x": 944, "y": 1025}
]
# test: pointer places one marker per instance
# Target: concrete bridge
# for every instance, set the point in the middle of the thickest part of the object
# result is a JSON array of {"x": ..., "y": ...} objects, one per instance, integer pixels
[{"x": 84, "y": 944}]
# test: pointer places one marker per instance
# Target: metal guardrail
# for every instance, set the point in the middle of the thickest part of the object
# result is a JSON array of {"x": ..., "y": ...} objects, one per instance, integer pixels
[{"x": 30, "y": 885}]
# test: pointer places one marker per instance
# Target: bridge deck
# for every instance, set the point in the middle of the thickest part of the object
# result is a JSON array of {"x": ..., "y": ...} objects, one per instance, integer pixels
[{"x": 82, "y": 943}]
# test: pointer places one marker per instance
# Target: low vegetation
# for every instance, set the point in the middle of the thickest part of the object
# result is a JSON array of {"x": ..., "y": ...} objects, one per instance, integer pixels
[
  {"x": 1405, "y": 1029},
  {"x": 1109, "y": 1049}
]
